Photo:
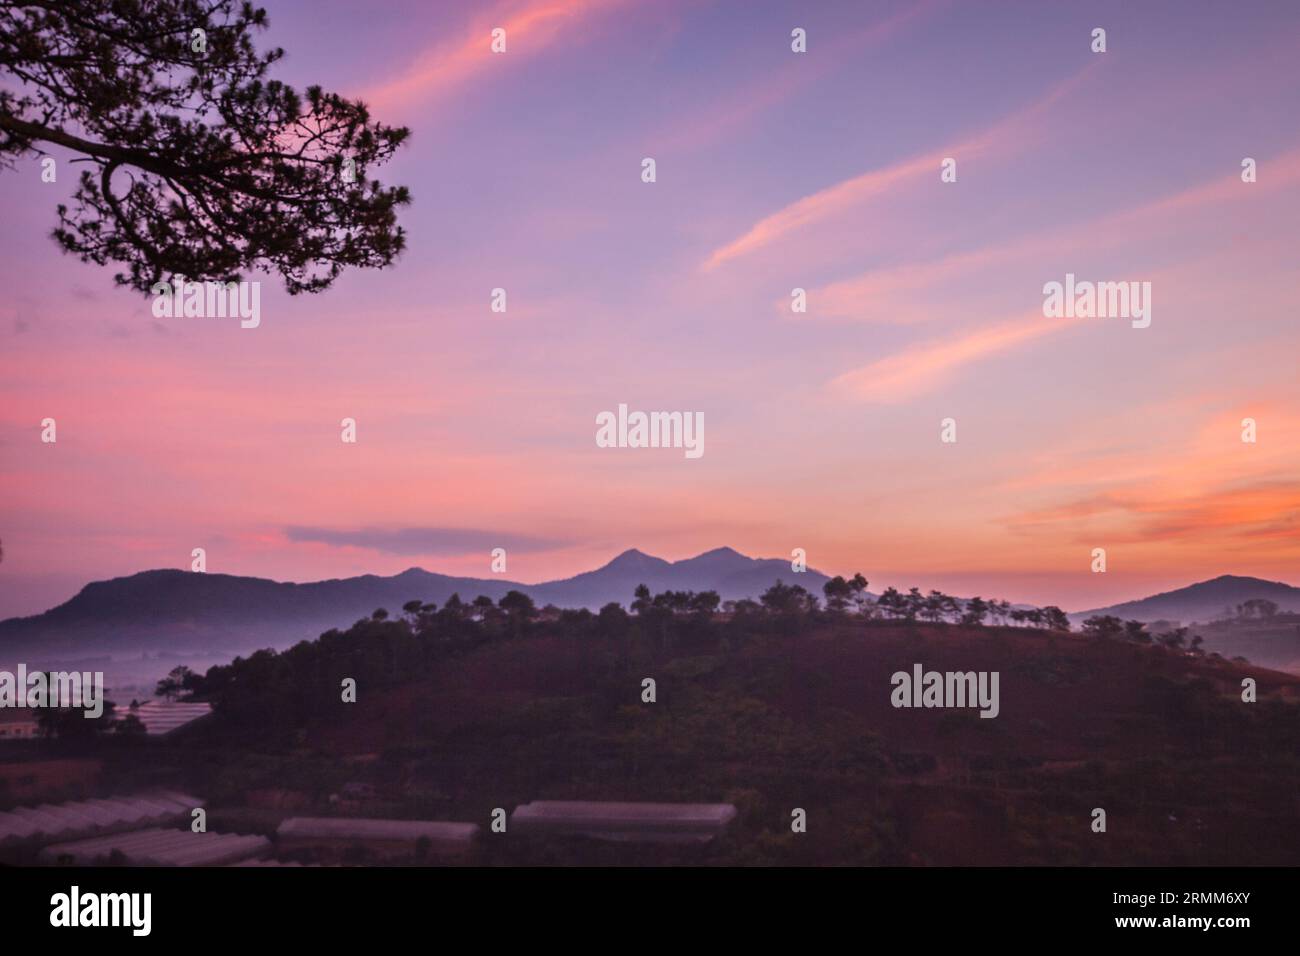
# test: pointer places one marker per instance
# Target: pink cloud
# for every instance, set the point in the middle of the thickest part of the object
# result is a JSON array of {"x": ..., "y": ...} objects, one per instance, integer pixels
[
  {"x": 918, "y": 369},
  {"x": 1006, "y": 136}
]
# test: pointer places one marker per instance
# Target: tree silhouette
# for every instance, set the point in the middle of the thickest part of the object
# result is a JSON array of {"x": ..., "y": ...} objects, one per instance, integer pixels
[
  {"x": 201, "y": 166},
  {"x": 913, "y": 603},
  {"x": 518, "y": 604},
  {"x": 1136, "y": 631},
  {"x": 177, "y": 682},
  {"x": 1055, "y": 619},
  {"x": 837, "y": 593},
  {"x": 932, "y": 607},
  {"x": 1106, "y": 626},
  {"x": 891, "y": 602},
  {"x": 641, "y": 599},
  {"x": 976, "y": 610},
  {"x": 999, "y": 611},
  {"x": 858, "y": 593},
  {"x": 1257, "y": 607}
]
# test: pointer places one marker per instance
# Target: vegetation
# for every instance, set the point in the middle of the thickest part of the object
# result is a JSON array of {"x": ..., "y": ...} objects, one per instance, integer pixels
[
  {"x": 771, "y": 704},
  {"x": 200, "y": 164}
]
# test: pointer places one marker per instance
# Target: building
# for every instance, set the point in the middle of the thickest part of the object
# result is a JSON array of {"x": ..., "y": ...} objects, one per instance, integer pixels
[
  {"x": 633, "y": 822},
  {"x": 162, "y": 717},
  {"x": 353, "y": 839},
  {"x": 18, "y": 723},
  {"x": 81, "y": 819}
]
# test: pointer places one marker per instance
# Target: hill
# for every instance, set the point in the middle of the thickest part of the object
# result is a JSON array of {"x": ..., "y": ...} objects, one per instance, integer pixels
[
  {"x": 771, "y": 713},
  {"x": 1202, "y": 602}
]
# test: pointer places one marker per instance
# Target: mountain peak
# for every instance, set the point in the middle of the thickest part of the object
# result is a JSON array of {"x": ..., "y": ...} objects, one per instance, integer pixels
[
  {"x": 632, "y": 558},
  {"x": 717, "y": 558},
  {"x": 723, "y": 552}
]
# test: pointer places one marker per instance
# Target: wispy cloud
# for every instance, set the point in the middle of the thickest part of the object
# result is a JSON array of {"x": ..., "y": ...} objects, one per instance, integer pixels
[
  {"x": 1258, "y": 512},
  {"x": 530, "y": 27},
  {"x": 920, "y": 368},
  {"x": 422, "y": 541},
  {"x": 754, "y": 96},
  {"x": 1008, "y": 135},
  {"x": 889, "y": 294}
]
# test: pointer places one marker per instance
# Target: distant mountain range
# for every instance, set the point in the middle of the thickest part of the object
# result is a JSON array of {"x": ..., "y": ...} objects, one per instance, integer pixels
[
  {"x": 183, "y": 610},
  {"x": 1199, "y": 603}
]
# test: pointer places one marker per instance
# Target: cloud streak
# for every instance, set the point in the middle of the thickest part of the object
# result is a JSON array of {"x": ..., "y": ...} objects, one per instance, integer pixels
[
  {"x": 875, "y": 296},
  {"x": 422, "y": 541},
  {"x": 530, "y": 28},
  {"x": 922, "y": 367},
  {"x": 1008, "y": 135}
]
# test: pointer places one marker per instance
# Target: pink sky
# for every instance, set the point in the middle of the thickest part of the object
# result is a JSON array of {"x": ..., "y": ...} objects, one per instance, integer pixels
[{"x": 775, "y": 171}]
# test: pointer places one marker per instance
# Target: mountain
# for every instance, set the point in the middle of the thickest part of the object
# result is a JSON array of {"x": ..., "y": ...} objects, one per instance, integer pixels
[
  {"x": 1202, "y": 602},
  {"x": 730, "y": 573},
  {"x": 171, "y": 610}
]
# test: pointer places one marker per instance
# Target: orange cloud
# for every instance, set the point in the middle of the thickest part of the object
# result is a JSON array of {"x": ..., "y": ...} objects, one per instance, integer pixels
[
  {"x": 1186, "y": 494},
  {"x": 1260, "y": 512}
]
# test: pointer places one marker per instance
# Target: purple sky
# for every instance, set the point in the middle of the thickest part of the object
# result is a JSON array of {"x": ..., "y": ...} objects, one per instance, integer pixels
[{"x": 775, "y": 170}]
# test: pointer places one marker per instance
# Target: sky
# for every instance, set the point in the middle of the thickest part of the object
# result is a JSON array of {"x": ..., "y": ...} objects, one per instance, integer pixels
[{"x": 775, "y": 170}]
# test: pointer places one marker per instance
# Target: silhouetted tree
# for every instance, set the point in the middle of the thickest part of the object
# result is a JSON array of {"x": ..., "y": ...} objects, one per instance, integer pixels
[
  {"x": 858, "y": 593},
  {"x": 71, "y": 723},
  {"x": 891, "y": 603},
  {"x": 999, "y": 611},
  {"x": 454, "y": 609},
  {"x": 976, "y": 610},
  {"x": 788, "y": 600},
  {"x": 1173, "y": 639},
  {"x": 177, "y": 681},
  {"x": 201, "y": 166},
  {"x": 1104, "y": 626},
  {"x": 1055, "y": 619},
  {"x": 130, "y": 726},
  {"x": 913, "y": 603},
  {"x": 519, "y": 609},
  {"x": 614, "y": 621},
  {"x": 704, "y": 604},
  {"x": 1257, "y": 607},
  {"x": 837, "y": 593},
  {"x": 1136, "y": 631}
]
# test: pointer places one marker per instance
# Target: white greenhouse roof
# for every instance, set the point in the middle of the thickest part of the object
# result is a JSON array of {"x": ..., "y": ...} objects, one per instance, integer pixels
[
  {"x": 670, "y": 822},
  {"x": 83, "y": 818},
  {"x": 163, "y": 716},
  {"x": 354, "y": 828},
  {"x": 158, "y": 847}
]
